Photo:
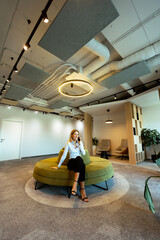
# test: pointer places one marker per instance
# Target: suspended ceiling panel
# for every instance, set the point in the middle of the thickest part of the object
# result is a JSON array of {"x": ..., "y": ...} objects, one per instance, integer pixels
[
  {"x": 6, "y": 15},
  {"x": 59, "y": 104},
  {"x": 146, "y": 7},
  {"x": 121, "y": 25},
  {"x": 130, "y": 36},
  {"x": 76, "y": 24},
  {"x": 132, "y": 43},
  {"x": 153, "y": 35},
  {"x": 126, "y": 75},
  {"x": 33, "y": 73},
  {"x": 17, "y": 92}
]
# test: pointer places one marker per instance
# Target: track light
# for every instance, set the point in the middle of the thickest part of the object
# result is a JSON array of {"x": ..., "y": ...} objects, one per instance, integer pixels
[
  {"x": 115, "y": 97},
  {"x": 26, "y": 46},
  {"x": 15, "y": 69},
  {"x": 8, "y": 79},
  {"x": 45, "y": 17},
  {"x": 3, "y": 89}
]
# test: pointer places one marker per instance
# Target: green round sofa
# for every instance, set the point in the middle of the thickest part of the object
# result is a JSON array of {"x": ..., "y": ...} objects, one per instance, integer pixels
[{"x": 97, "y": 170}]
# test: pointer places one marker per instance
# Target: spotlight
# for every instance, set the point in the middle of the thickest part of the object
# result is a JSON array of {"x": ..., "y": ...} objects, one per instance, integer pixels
[
  {"x": 24, "y": 109},
  {"x": 26, "y": 46},
  {"x": 36, "y": 112},
  {"x": 9, "y": 107},
  {"x": 115, "y": 97},
  {"x": 15, "y": 69},
  {"x": 3, "y": 89},
  {"x": 8, "y": 79},
  {"x": 45, "y": 18}
]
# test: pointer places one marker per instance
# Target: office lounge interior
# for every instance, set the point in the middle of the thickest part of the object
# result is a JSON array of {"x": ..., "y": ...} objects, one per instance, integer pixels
[{"x": 78, "y": 65}]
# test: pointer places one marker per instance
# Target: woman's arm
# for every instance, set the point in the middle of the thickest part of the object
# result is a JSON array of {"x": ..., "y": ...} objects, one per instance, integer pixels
[
  {"x": 64, "y": 155},
  {"x": 81, "y": 147}
]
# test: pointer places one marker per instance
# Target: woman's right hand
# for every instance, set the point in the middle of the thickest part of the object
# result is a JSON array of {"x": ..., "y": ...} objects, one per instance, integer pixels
[{"x": 54, "y": 167}]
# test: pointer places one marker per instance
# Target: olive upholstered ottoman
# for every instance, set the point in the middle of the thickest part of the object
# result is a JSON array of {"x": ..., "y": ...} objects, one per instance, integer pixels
[{"x": 97, "y": 170}]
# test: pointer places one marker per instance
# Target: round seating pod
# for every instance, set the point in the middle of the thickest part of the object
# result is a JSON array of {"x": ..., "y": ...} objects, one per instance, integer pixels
[{"x": 98, "y": 170}]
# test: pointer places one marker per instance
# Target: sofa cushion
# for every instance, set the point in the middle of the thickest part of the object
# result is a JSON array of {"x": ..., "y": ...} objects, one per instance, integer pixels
[
  {"x": 86, "y": 157},
  {"x": 60, "y": 155}
]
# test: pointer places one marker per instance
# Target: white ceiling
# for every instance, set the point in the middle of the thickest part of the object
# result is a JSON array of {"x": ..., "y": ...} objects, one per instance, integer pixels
[
  {"x": 136, "y": 28},
  {"x": 150, "y": 98}
]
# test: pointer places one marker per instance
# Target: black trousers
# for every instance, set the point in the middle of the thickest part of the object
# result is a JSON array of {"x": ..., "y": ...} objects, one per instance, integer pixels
[{"x": 77, "y": 165}]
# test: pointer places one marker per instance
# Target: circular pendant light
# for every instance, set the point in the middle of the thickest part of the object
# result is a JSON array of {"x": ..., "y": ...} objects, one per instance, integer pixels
[{"x": 70, "y": 87}]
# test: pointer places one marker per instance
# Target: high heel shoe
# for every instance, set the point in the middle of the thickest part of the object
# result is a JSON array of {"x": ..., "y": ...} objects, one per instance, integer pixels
[
  {"x": 73, "y": 192},
  {"x": 85, "y": 198}
]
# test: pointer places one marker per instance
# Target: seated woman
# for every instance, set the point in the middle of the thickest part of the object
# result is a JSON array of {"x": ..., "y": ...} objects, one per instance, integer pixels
[{"x": 75, "y": 163}]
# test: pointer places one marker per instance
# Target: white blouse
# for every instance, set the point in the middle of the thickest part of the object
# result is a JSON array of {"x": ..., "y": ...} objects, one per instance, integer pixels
[{"x": 74, "y": 151}]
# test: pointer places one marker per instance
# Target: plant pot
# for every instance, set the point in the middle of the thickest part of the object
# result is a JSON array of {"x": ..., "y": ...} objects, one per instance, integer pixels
[
  {"x": 94, "y": 150},
  {"x": 154, "y": 157}
]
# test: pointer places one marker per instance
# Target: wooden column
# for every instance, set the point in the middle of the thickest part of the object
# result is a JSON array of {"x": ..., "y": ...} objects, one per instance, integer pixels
[
  {"x": 134, "y": 125},
  {"x": 88, "y": 132},
  {"x": 129, "y": 128}
]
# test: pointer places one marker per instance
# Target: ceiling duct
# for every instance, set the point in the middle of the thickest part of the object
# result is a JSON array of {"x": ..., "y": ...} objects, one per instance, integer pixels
[
  {"x": 142, "y": 55},
  {"x": 100, "y": 50}
]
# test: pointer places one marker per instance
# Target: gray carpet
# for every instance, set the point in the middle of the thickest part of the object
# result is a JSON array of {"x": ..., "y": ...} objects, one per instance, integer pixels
[{"x": 127, "y": 218}]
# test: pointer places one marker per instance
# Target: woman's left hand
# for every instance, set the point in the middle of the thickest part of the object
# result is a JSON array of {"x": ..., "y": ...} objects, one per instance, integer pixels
[{"x": 79, "y": 142}]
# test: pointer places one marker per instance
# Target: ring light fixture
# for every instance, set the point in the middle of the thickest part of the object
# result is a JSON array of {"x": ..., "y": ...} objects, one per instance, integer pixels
[{"x": 76, "y": 82}]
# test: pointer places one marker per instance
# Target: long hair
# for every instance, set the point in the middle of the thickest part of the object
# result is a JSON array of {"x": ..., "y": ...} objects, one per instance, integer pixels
[{"x": 72, "y": 132}]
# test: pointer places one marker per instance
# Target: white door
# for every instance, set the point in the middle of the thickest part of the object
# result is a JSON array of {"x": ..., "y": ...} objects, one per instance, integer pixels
[{"x": 10, "y": 140}]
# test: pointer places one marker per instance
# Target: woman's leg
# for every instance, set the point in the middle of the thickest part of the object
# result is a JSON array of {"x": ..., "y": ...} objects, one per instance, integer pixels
[
  {"x": 74, "y": 187},
  {"x": 83, "y": 192}
]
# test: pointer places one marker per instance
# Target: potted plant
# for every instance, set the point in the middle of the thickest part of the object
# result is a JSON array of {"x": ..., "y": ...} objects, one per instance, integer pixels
[
  {"x": 150, "y": 138},
  {"x": 94, "y": 143}
]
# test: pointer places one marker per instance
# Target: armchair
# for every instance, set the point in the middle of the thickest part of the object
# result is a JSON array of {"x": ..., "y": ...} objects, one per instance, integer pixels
[
  {"x": 104, "y": 147},
  {"x": 122, "y": 150}
]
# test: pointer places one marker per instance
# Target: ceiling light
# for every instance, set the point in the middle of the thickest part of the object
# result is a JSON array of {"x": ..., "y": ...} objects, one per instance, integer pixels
[
  {"x": 8, "y": 79},
  {"x": 15, "y": 69},
  {"x": 45, "y": 17},
  {"x": 46, "y": 20},
  {"x": 3, "y": 89},
  {"x": 70, "y": 86},
  {"x": 108, "y": 121},
  {"x": 115, "y": 97},
  {"x": 26, "y": 46}
]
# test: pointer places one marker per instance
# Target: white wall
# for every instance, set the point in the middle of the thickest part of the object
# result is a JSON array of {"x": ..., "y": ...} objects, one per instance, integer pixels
[
  {"x": 151, "y": 119},
  {"x": 42, "y": 134},
  {"x": 115, "y": 131}
]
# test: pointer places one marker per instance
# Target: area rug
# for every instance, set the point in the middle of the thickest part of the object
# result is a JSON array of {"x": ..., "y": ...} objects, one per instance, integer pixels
[{"x": 57, "y": 196}]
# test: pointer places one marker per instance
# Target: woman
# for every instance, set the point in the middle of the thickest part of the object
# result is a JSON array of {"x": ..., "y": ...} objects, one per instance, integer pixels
[{"x": 75, "y": 163}]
